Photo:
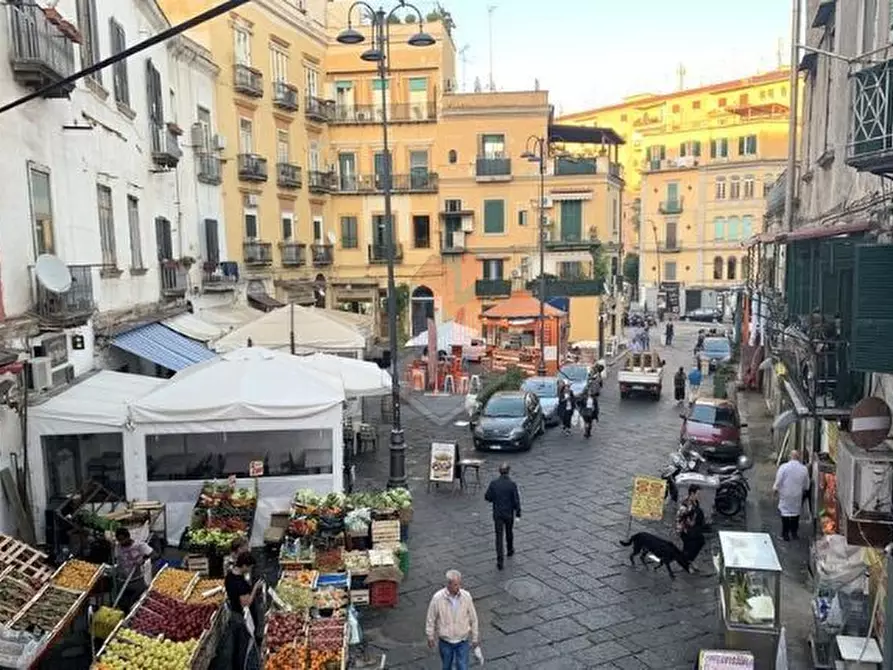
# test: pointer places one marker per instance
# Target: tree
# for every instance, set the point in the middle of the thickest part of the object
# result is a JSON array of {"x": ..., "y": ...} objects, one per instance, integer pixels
[
  {"x": 601, "y": 268},
  {"x": 393, "y": 18},
  {"x": 631, "y": 269}
]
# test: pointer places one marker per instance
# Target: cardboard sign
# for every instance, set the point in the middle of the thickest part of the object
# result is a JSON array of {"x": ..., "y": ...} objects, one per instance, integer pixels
[
  {"x": 648, "y": 498},
  {"x": 443, "y": 462},
  {"x": 256, "y": 469},
  {"x": 715, "y": 659}
]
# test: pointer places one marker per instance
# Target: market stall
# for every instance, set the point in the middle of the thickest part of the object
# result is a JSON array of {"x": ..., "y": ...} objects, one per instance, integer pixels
[
  {"x": 513, "y": 327},
  {"x": 249, "y": 414},
  {"x": 222, "y": 513}
]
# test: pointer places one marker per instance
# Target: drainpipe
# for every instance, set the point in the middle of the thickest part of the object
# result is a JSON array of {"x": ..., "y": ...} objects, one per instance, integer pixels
[{"x": 793, "y": 84}]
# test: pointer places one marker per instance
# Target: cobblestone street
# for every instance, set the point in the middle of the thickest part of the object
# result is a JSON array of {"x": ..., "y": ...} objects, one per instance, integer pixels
[{"x": 568, "y": 598}]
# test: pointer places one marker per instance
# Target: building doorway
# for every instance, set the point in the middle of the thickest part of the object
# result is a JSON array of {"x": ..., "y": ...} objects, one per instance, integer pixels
[{"x": 422, "y": 309}]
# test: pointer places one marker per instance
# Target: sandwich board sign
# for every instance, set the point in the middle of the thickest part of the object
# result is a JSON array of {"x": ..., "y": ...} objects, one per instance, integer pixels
[
  {"x": 648, "y": 498},
  {"x": 442, "y": 469}
]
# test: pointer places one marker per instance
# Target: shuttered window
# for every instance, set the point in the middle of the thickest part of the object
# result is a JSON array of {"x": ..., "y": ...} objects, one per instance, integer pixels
[
  {"x": 571, "y": 220},
  {"x": 119, "y": 69},
  {"x": 873, "y": 310},
  {"x": 494, "y": 216}
]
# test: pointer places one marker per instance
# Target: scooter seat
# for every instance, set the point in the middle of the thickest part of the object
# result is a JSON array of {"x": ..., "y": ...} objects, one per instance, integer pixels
[{"x": 722, "y": 469}]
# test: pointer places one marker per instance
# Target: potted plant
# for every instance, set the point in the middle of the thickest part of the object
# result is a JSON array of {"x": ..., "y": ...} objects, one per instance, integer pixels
[{"x": 187, "y": 261}]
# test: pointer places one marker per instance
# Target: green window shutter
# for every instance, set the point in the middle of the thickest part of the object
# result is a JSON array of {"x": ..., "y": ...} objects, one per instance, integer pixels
[
  {"x": 418, "y": 84},
  {"x": 746, "y": 227},
  {"x": 494, "y": 216},
  {"x": 712, "y": 148},
  {"x": 343, "y": 85},
  {"x": 663, "y": 152},
  {"x": 870, "y": 349},
  {"x": 571, "y": 220},
  {"x": 376, "y": 84},
  {"x": 719, "y": 228},
  {"x": 696, "y": 149},
  {"x": 733, "y": 228},
  {"x": 740, "y": 146},
  {"x": 682, "y": 150}
]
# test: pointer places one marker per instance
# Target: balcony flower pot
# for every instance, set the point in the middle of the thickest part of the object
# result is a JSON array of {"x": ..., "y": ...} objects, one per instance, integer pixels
[
  {"x": 174, "y": 128},
  {"x": 187, "y": 261}
]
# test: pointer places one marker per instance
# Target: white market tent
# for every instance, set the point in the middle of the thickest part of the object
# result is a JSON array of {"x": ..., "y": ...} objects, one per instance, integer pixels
[
  {"x": 363, "y": 323},
  {"x": 314, "y": 331},
  {"x": 449, "y": 333},
  {"x": 360, "y": 378},
  {"x": 249, "y": 405}
]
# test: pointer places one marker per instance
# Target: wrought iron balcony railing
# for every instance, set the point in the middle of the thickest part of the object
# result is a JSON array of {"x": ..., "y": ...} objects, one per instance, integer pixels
[
  {"x": 318, "y": 109},
  {"x": 321, "y": 182},
  {"x": 166, "y": 150},
  {"x": 378, "y": 253},
  {"x": 489, "y": 168},
  {"x": 415, "y": 182},
  {"x": 492, "y": 288},
  {"x": 39, "y": 52},
  {"x": 74, "y": 307},
  {"x": 256, "y": 252},
  {"x": 252, "y": 167},
  {"x": 248, "y": 80},
  {"x": 285, "y": 96},
  {"x": 568, "y": 287},
  {"x": 209, "y": 169},
  {"x": 323, "y": 254},
  {"x": 288, "y": 175},
  {"x": 294, "y": 254},
  {"x": 871, "y": 142},
  {"x": 412, "y": 112},
  {"x": 671, "y": 206},
  {"x": 174, "y": 276}
]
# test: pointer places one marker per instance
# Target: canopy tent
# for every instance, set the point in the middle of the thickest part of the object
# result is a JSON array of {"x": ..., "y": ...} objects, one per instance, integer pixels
[
  {"x": 313, "y": 330},
  {"x": 448, "y": 334},
  {"x": 521, "y": 306},
  {"x": 362, "y": 323},
  {"x": 163, "y": 346},
  {"x": 360, "y": 378},
  {"x": 195, "y": 327}
]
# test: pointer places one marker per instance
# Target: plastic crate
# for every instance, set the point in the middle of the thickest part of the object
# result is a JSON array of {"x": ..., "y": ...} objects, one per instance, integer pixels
[{"x": 383, "y": 594}]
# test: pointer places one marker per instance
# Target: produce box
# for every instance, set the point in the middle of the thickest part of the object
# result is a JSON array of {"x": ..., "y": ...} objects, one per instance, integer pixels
[
  {"x": 295, "y": 553},
  {"x": 357, "y": 562},
  {"x": 359, "y": 597},
  {"x": 293, "y": 596},
  {"x": 221, "y": 514},
  {"x": 327, "y": 643},
  {"x": 15, "y": 593},
  {"x": 385, "y": 532},
  {"x": 284, "y": 628},
  {"x": 31, "y": 563}
]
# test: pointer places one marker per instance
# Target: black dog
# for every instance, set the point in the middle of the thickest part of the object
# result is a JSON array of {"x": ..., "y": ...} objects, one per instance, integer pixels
[{"x": 646, "y": 543}]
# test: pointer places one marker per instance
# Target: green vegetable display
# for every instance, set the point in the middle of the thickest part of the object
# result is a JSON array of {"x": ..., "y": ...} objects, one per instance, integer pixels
[{"x": 391, "y": 499}]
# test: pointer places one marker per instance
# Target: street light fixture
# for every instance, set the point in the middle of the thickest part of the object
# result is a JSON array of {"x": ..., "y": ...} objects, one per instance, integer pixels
[{"x": 379, "y": 53}]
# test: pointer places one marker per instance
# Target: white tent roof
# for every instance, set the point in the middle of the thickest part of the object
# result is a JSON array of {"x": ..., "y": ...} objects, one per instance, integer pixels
[
  {"x": 360, "y": 378},
  {"x": 448, "y": 334},
  {"x": 195, "y": 327},
  {"x": 314, "y": 331},
  {"x": 362, "y": 323},
  {"x": 250, "y": 383},
  {"x": 100, "y": 400}
]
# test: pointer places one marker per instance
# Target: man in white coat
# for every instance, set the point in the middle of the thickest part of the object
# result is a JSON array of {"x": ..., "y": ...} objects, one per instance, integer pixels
[{"x": 791, "y": 484}]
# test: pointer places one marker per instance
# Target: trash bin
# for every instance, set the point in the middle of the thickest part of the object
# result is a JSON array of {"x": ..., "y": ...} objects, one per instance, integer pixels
[{"x": 708, "y": 485}]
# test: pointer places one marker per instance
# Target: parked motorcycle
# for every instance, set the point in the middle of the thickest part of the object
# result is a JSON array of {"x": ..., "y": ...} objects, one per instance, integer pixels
[{"x": 733, "y": 485}]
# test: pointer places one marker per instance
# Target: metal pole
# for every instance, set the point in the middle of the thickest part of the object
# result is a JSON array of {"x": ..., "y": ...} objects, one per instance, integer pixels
[
  {"x": 601, "y": 331},
  {"x": 397, "y": 468},
  {"x": 794, "y": 85},
  {"x": 490, "y": 9},
  {"x": 657, "y": 252},
  {"x": 888, "y": 618},
  {"x": 291, "y": 330},
  {"x": 541, "y": 369}
]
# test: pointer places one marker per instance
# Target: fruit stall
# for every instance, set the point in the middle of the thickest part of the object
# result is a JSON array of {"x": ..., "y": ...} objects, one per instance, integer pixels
[
  {"x": 222, "y": 513},
  {"x": 176, "y": 625}
]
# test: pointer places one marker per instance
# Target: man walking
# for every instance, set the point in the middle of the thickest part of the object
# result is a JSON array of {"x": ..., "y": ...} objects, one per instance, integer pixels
[
  {"x": 679, "y": 386},
  {"x": 694, "y": 383},
  {"x": 669, "y": 331},
  {"x": 791, "y": 485},
  {"x": 452, "y": 623},
  {"x": 503, "y": 495}
]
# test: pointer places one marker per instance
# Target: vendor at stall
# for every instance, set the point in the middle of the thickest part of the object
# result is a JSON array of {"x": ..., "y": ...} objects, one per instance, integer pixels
[
  {"x": 240, "y": 596},
  {"x": 130, "y": 559},
  {"x": 238, "y": 547}
]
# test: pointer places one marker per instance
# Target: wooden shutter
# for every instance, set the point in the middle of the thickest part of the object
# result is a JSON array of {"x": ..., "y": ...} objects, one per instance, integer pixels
[
  {"x": 682, "y": 150},
  {"x": 153, "y": 83},
  {"x": 712, "y": 148},
  {"x": 212, "y": 241},
  {"x": 696, "y": 148},
  {"x": 163, "y": 239},
  {"x": 741, "y": 141},
  {"x": 870, "y": 342}
]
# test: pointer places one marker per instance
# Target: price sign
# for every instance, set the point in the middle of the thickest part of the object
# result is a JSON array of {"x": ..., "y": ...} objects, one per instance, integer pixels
[
  {"x": 714, "y": 659},
  {"x": 256, "y": 469},
  {"x": 231, "y": 482},
  {"x": 648, "y": 498}
]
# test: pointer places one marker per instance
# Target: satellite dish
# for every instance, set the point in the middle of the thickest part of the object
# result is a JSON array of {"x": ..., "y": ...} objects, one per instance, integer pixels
[{"x": 52, "y": 273}]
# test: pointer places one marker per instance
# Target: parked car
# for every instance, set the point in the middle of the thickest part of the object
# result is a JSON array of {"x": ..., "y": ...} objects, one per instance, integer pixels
[
  {"x": 475, "y": 351},
  {"x": 704, "y": 315},
  {"x": 546, "y": 390},
  {"x": 712, "y": 426},
  {"x": 509, "y": 421},
  {"x": 716, "y": 351},
  {"x": 578, "y": 376}
]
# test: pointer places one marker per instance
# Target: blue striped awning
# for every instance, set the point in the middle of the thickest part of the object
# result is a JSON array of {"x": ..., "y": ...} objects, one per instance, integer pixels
[{"x": 163, "y": 346}]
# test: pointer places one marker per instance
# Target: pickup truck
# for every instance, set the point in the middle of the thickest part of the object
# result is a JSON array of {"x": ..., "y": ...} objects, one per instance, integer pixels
[{"x": 641, "y": 372}]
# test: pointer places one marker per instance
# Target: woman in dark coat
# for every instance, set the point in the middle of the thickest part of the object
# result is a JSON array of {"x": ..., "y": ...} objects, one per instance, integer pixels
[
  {"x": 566, "y": 405},
  {"x": 589, "y": 407}
]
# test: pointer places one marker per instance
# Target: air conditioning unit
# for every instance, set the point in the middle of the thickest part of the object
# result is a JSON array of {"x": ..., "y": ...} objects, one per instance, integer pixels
[
  {"x": 40, "y": 375},
  {"x": 218, "y": 142},
  {"x": 865, "y": 482},
  {"x": 197, "y": 133},
  {"x": 467, "y": 224},
  {"x": 63, "y": 374},
  {"x": 250, "y": 200},
  {"x": 51, "y": 345},
  {"x": 547, "y": 202}
]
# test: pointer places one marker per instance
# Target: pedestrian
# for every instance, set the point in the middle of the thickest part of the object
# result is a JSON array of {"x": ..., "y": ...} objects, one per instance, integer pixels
[
  {"x": 589, "y": 407},
  {"x": 503, "y": 495},
  {"x": 700, "y": 343},
  {"x": 452, "y": 623},
  {"x": 791, "y": 486},
  {"x": 694, "y": 383},
  {"x": 240, "y": 597},
  {"x": 130, "y": 557},
  {"x": 679, "y": 386},
  {"x": 566, "y": 408},
  {"x": 238, "y": 547},
  {"x": 669, "y": 331},
  {"x": 690, "y": 524}
]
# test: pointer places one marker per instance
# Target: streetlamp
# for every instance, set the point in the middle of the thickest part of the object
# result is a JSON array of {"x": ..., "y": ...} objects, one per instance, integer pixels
[
  {"x": 379, "y": 53},
  {"x": 657, "y": 252},
  {"x": 536, "y": 151}
]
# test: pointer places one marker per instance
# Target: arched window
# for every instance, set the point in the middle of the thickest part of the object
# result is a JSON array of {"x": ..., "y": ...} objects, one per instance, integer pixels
[
  {"x": 719, "y": 228},
  {"x": 452, "y": 156},
  {"x": 717, "y": 267},
  {"x": 731, "y": 266}
]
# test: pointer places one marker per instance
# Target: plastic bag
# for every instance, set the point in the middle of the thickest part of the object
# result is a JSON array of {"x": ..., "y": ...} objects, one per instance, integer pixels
[
  {"x": 576, "y": 420},
  {"x": 835, "y": 614},
  {"x": 355, "y": 633},
  {"x": 479, "y": 655}
]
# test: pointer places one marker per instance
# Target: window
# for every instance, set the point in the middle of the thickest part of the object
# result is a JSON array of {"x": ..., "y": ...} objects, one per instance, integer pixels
[
  {"x": 522, "y": 217},
  {"x": 869, "y": 25},
  {"x": 748, "y": 186},
  {"x": 719, "y": 228},
  {"x": 768, "y": 183},
  {"x": 204, "y": 119},
  {"x": 344, "y": 94},
  {"x": 242, "y": 46},
  {"x": 119, "y": 69},
  {"x": 421, "y": 231},
  {"x": 623, "y": 118},
  {"x": 734, "y": 188},
  {"x": 692, "y": 148},
  {"x": 742, "y": 99},
  {"x": 317, "y": 230},
  {"x": 656, "y": 153},
  {"x": 133, "y": 225},
  {"x": 670, "y": 240},
  {"x": 493, "y": 268},
  {"x": 311, "y": 78},
  {"x": 86, "y": 13},
  {"x": 676, "y": 109},
  {"x": 747, "y": 146},
  {"x": 212, "y": 242},
  {"x": 282, "y": 146},
  {"x": 717, "y": 267},
  {"x": 349, "y": 238},
  {"x": 734, "y": 230},
  {"x": 615, "y": 219},
  {"x": 763, "y": 94},
  {"x": 347, "y": 171},
  {"x": 571, "y": 214},
  {"x": 313, "y": 157},
  {"x": 696, "y": 104},
  {"x": 494, "y": 217},
  {"x": 250, "y": 219},
  {"x": 418, "y": 98},
  {"x": 278, "y": 63},
  {"x": 164, "y": 241},
  {"x": 719, "y": 148},
  {"x": 377, "y": 86},
  {"x": 288, "y": 226},
  {"x": 721, "y": 102},
  {"x": 492, "y": 146},
  {"x": 155, "y": 103},
  {"x": 452, "y": 156},
  {"x": 745, "y": 267},
  {"x": 246, "y": 136},
  {"x": 106, "y": 226},
  {"x": 570, "y": 270},
  {"x": 720, "y": 188},
  {"x": 380, "y": 169},
  {"x": 746, "y": 227},
  {"x": 418, "y": 169},
  {"x": 380, "y": 232},
  {"x": 41, "y": 212},
  {"x": 731, "y": 266},
  {"x": 670, "y": 271}
]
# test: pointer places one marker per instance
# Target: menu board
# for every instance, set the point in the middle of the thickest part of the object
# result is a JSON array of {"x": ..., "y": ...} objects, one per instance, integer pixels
[
  {"x": 715, "y": 659},
  {"x": 648, "y": 498},
  {"x": 443, "y": 462}
]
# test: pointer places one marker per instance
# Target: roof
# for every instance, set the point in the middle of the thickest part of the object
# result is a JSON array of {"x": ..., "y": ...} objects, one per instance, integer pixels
[
  {"x": 714, "y": 402},
  {"x": 163, "y": 346},
  {"x": 583, "y": 135},
  {"x": 521, "y": 306}
]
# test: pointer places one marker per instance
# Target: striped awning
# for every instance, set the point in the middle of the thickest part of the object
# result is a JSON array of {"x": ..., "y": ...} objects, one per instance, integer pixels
[
  {"x": 571, "y": 195},
  {"x": 163, "y": 346}
]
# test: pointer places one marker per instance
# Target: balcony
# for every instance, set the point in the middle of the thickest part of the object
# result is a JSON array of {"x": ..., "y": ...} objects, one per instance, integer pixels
[
  {"x": 248, "y": 81},
  {"x": 288, "y": 175},
  {"x": 571, "y": 242},
  {"x": 568, "y": 287},
  {"x": 39, "y": 52},
  {"x": 294, "y": 254},
  {"x": 574, "y": 166},
  {"x": 285, "y": 96},
  {"x": 378, "y": 253},
  {"x": 319, "y": 110},
  {"x": 413, "y": 112},
  {"x": 252, "y": 167},
  {"x": 174, "y": 278},
  {"x": 72, "y": 308},
  {"x": 492, "y": 288},
  {"x": 669, "y": 247},
  {"x": 323, "y": 254},
  {"x": 415, "y": 182},
  {"x": 209, "y": 169},
  {"x": 321, "y": 182},
  {"x": 220, "y": 277},
  {"x": 671, "y": 206},
  {"x": 493, "y": 169},
  {"x": 255, "y": 252},
  {"x": 166, "y": 151},
  {"x": 871, "y": 145}
]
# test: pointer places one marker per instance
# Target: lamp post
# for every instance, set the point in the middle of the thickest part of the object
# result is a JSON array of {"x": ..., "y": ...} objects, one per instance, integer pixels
[
  {"x": 536, "y": 151},
  {"x": 379, "y": 53},
  {"x": 657, "y": 252}
]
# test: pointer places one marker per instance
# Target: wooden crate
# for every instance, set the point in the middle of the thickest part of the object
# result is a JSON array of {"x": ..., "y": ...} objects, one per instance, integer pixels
[
  {"x": 199, "y": 564},
  {"x": 30, "y": 563},
  {"x": 385, "y": 532}
]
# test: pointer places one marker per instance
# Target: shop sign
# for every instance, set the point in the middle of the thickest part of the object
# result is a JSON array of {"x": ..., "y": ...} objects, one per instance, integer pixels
[
  {"x": 443, "y": 462},
  {"x": 256, "y": 469},
  {"x": 714, "y": 659},
  {"x": 648, "y": 498}
]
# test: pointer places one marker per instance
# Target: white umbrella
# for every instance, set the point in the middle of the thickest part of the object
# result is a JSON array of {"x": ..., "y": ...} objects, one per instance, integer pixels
[{"x": 360, "y": 378}]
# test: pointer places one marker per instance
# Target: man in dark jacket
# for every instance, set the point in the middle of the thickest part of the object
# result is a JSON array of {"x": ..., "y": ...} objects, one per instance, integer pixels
[{"x": 503, "y": 495}]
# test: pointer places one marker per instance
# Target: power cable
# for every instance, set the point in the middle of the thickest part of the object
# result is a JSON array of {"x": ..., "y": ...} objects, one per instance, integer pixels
[{"x": 173, "y": 31}]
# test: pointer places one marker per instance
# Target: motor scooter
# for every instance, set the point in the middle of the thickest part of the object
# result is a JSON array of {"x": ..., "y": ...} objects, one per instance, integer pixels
[{"x": 733, "y": 485}]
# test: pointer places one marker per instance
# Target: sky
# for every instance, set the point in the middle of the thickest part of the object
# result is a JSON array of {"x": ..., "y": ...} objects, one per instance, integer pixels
[{"x": 591, "y": 53}]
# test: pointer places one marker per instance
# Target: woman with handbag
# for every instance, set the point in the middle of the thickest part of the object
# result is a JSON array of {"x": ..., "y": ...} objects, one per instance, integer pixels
[{"x": 240, "y": 596}]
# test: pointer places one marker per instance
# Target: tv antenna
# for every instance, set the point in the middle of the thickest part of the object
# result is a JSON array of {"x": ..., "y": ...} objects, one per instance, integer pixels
[
  {"x": 490, "y": 10},
  {"x": 463, "y": 58}
]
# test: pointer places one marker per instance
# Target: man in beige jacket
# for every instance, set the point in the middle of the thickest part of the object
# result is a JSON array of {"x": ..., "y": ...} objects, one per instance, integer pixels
[{"x": 452, "y": 623}]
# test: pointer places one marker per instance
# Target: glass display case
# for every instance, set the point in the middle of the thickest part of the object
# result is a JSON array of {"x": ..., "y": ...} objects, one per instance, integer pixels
[{"x": 750, "y": 594}]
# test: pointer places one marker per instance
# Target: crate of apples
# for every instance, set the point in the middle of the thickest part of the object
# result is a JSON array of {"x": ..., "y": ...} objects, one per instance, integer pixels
[
  {"x": 326, "y": 635},
  {"x": 174, "y": 619},
  {"x": 284, "y": 628}
]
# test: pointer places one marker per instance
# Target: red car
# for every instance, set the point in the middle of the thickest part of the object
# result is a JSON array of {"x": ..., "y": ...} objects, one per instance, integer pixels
[{"x": 712, "y": 427}]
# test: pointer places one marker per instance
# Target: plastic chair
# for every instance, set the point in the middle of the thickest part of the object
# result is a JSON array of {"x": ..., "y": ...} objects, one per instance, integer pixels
[
  {"x": 418, "y": 380},
  {"x": 449, "y": 384},
  {"x": 475, "y": 386},
  {"x": 463, "y": 385}
]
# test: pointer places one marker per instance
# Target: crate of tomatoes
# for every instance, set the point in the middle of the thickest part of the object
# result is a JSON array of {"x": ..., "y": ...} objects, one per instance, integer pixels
[{"x": 327, "y": 644}]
